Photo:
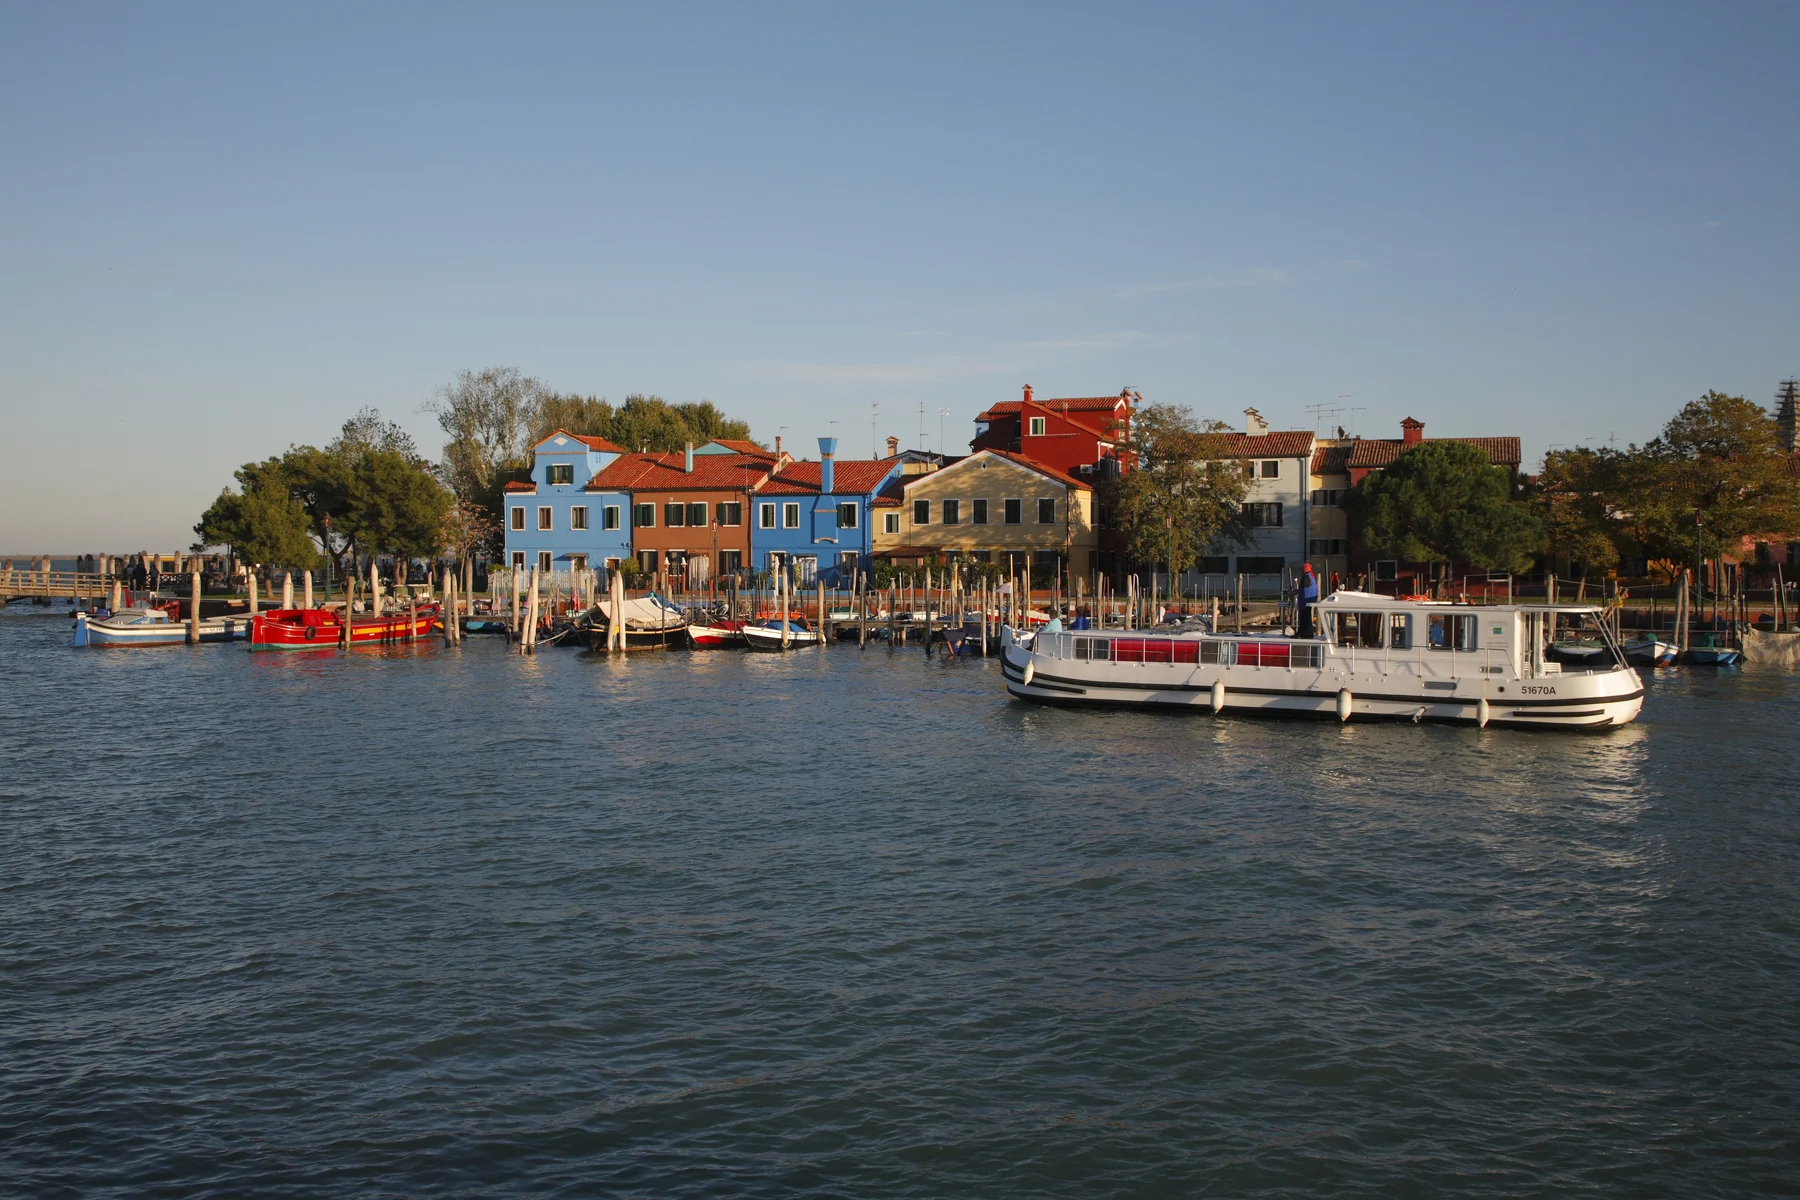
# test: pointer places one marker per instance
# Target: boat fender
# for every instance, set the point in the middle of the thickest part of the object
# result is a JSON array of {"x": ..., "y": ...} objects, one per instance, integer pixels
[
  {"x": 312, "y": 632},
  {"x": 1218, "y": 695},
  {"x": 1343, "y": 704},
  {"x": 1030, "y": 670},
  {"x": 1481, "y": 712}
]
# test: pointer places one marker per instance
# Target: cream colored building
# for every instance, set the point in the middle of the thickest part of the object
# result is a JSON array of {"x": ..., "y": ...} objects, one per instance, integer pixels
[
  {"x": 992, "y": 506},
  {"x": 1328, "y": 547}
]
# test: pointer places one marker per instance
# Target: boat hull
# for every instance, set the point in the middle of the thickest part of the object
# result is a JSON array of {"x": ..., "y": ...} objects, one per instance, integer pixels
[
  {"x": 1601, "y": 700},
  {"x": 715, "y": 637},
  {"x": 322, "y": 629},
  {"x": 105, "y": 633},
  {"x": 770, "y": 639}
]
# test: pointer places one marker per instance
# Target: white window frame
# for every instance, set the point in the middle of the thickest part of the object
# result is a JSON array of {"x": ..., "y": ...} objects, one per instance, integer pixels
[
  {"x": 1005, "y": 510},
  {"x": 1042, "y": 500},
  {"x": 546, "y": 518},
  {"x": 850, "y": 507},
  {"x": 545, "y": 562},
  {"x": 518, "y": 518},
  {"x": 609, "y": 518},
  {"x": 518, "y": 560},
  {"x": 1036, "y": 427},
  {"x": 578, "y": 516},
  {"x": 765, "y": 515},
  {"x": 638, "y": 510},
  {"x": 916, "y": 510},
  {"x": 790, "y": 514},
  {"x": 890, "y": 522},
  {"x": 952, "y": 512},
  {"x": 1271, "y": 468}
]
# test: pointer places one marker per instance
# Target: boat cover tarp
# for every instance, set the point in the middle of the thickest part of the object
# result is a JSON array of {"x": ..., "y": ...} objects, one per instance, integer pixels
[
  {"x": 647, "y": 613},
  {"x": 1776, "y": 649}
]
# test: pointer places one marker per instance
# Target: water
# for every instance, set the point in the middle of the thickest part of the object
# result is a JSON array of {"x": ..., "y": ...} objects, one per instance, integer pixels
[{"x": 853, "y": 924}]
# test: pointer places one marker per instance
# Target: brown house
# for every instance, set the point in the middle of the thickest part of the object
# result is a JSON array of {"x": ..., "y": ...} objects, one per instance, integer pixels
[{"x": 690, "y": 513}]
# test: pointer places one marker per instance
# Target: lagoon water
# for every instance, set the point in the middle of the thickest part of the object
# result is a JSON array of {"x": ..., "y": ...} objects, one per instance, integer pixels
[{"x": 849, "y": 923}]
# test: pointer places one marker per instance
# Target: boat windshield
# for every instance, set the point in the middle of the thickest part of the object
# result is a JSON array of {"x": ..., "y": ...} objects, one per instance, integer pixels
[{"x": 1581, "y": 640}]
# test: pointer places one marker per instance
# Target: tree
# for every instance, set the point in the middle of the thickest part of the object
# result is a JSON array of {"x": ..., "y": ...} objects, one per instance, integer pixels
[
  {"x": 261, "y": 523},
  {"x": 1444, "y": 502},
  {"x": 1720, "y": 458},
  {"x": 1186, "y": 492},
  {"x": 1576, "y": 498},
  {"x": 470, "y": 533},
  {"x": 487, "y": 417}
]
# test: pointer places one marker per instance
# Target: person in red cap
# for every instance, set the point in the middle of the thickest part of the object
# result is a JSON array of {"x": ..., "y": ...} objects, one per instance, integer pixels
[{"x": 1309, "y": 596}]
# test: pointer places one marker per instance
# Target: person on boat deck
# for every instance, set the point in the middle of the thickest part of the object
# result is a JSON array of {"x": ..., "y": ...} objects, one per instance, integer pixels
[{"x": 1309, "y": 596}]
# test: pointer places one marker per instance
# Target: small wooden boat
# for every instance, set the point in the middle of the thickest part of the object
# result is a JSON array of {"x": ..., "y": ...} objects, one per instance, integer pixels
[
  {"x": 1648, "y": 651},
  {"x": 1704, "y": 651},
  {"x": 153, "y": 627},
  {"x": 323, "y": 628},
  {"x": 767, "y": 635}
]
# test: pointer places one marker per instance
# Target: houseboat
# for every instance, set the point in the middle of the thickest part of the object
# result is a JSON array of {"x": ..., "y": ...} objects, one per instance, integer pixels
[{"x": 1525, "y": 665}]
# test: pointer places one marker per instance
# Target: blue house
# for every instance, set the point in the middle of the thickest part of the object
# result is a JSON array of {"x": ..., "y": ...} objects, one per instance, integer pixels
[
  {"x": 818, "y": 516},
  {"x": 558, "y": 521}
]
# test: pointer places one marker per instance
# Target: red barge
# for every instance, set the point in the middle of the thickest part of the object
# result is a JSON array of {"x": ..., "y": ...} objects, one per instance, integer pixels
[{"x": 323, "y": 628}]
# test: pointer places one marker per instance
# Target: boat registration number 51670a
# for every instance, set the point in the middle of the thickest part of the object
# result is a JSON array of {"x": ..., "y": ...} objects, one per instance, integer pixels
[{"x": 1533, "y": 690}]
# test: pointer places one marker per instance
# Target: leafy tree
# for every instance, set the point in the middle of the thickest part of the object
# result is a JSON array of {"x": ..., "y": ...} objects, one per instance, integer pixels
[
  {"x": 1720, "y": 457},
  {"x": 641, "y": 423},
  {"x": 1443, "y": 502},
  {"x": 470, "y": 533},
  {"x": 261, "y": 523},
  {"x": 1576, "y": 497},
  {"x": 1186, "y": 492}
]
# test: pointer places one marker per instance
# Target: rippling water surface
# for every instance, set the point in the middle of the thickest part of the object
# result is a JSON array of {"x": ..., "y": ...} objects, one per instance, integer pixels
[{"x": 849, "y": 923}]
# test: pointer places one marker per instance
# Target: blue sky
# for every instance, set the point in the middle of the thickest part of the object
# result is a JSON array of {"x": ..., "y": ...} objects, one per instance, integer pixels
[{"x": 224, "y": 229}]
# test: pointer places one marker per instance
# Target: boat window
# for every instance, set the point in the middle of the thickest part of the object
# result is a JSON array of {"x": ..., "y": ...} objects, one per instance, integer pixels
[
  {"x": 1092, "y": 648},
  {"x": 1306, "y": 654},
  {"x": 1399, "y": 631},
  {"x": 1216, "y": 653},
  {"x": 1451, "y": 631},
  {"x": 1359, "y": 629}
]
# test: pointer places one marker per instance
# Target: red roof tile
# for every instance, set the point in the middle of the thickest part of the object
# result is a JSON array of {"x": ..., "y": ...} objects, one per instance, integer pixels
[
  {"x": 1286, "y": 443},
  {"x": 1380, "y": 452},
  {"x": 853, "y": 476},
  {"x": 665, "y": 473},
  {"x": 520, "y": 485},
  {"x": 742, "y": 447},
  {"x": 1331, "y": 460}
]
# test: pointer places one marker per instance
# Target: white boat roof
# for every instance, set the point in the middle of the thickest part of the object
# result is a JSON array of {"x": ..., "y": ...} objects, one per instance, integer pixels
[{"x": 1368, "y": 600}]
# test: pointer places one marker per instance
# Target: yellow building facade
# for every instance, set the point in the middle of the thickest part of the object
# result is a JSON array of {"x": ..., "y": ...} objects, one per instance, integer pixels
[{"x": 990, "y": 507}]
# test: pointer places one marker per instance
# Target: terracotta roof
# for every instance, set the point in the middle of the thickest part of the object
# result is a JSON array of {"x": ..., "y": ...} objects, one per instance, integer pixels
[
  {"x": 1073, "y": 403},
  {"x": 664, "y": 473},
  {"x": 853, "y": 476},
  {"x": 521, "y": 485},
  {"x": 1379, "y": 452},
  {"x": 592, "y": 443},
  {"x": 1332, "y": 460},
  {"x": 1031, "y": 463},
  {"x": 1286, "y": 443}
]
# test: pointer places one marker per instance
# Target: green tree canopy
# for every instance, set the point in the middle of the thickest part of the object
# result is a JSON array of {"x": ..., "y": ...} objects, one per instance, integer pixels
[
  {"x": 362, "y": 494},
  {"x": 1719, "y": 457},
  {"x": 1576, "y": 496},
  {"x": 1445, "y": 502},
  {"x": 640, "y": 423},
  {"x": 261, "y": 523},
  {"x": 1185, "y": 493}
]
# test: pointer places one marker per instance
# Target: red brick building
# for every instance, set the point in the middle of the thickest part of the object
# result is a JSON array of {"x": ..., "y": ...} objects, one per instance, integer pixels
[{"x": 1075, "y": 435}]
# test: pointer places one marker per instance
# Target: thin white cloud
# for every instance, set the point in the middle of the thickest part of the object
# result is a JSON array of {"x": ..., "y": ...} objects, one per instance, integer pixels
[
  {"x": 1253, "y": 277},
  {"x": 1008, "y": 359}
]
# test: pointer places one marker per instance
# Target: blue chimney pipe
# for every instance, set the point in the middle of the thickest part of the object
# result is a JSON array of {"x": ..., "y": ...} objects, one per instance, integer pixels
[{"x": 827, "y": 465}]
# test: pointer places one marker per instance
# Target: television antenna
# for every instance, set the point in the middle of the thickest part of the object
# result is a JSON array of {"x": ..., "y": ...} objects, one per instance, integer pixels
[
  {"x": 943, "y": 415},
  {"x": 874, "y": 430}
]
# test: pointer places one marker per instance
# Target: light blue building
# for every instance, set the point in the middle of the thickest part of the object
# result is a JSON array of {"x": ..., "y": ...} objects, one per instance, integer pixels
[
  {"x": 557, "y": 522},
  {"x": 818, "y": 516}
]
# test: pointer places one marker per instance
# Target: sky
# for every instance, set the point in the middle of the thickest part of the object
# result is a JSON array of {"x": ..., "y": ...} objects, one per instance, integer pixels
[{"x": 225, "y": 229}]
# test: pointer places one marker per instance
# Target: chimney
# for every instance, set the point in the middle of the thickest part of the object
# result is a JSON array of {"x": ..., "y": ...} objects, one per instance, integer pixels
[
  {"x": 1028, "y": 393},
  {"x": 1411, "y": 432},
  {"x": 827, "y": 465},
  {"x": 688, "y": 463},
  {"x": 1254, "y": 425},
  {"x": 778, "y": 445},
  {"x": 893, "y": 446}
]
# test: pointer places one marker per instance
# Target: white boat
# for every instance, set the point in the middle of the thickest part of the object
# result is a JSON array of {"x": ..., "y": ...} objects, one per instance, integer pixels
[
  {"x": 1648, "y": 651},
  {"x": 1377, "y": 656},
  {"x": 153, "y": 627},
  {"x": 766, "y": 635}
]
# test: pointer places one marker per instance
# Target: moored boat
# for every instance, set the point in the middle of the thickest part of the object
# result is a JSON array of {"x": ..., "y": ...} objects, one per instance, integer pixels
[
  {"x": 713, "y": 633},
  {"x": 1649, "y": 651},
  {"x": 153, "y": 627},
  {"x": 1529, "y": 666},
  {"x": 768, "y": 635},
  {"x": 323, "y": 628},
  {"x": 1704, "y": 650}
]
